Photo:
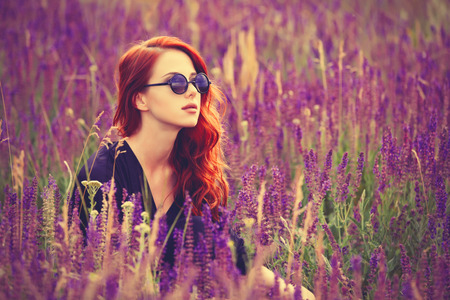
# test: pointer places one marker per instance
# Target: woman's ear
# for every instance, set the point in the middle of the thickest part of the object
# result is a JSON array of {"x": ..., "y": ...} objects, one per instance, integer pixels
[{"x": 140, "y": 102}]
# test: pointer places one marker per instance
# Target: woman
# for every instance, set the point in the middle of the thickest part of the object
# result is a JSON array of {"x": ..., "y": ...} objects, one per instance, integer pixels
[{"x": 167, "y": 113}]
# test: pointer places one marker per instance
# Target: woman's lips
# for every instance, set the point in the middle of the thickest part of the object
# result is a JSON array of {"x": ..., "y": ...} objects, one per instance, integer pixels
[{"x": 190, "y": 106}]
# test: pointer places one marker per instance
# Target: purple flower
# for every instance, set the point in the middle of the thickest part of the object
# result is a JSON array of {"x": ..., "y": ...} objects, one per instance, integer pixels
[
  {"x": 407, "y": 292},
  {"x": 446, "y": 232},
  {"x": 432, "y": 124},
  {"x": 204, "y": 278},
  {"x": 262, "y": 172},
  {"x": 249, "y": 177},
  {"x": 343, "y": 180},
  {"x": 398, "y": 225},
  {"x": 393, "y": 291},
  {"x": 376, "y": 202},
  {"x": 431, "y": 226},
  {"x": 344, "y": 191},
  {"x": 343, "y": 165},
  {"x": 106, "y": 187},
  {"x": 440, "y": 278},
  {"x": 275, "y": 290},
  {"x": 298, "y": 137},
  {"x": 406, "y": 265},
  {"x": 353, "y": 229},
  {"x": 311, "y": 171},
  {"x": 280, "y": 139},
  {"x": 376, "y": 167},
  {"x": 334, "y": 244},
  {"x": 76, "y": 244},
  {"x": 325, "y": 182},
  {"x": 136, "y": 199},
  {"x": 373, "y": 266},
  {"x": 223, "y": 256},
  {"x": 74, "y": 204},
  {"x": 30, "y": 224},
  {"x": 267, "y": 220},
  {"x": 246, "y": 206},
  {"x": 335, "y": 275},
  {"x": 381, "y": 292},
  {"x": 312, "y": 230},
  {"x": 112, "y": 286},
  {"x": 167, "y": 279},
  {"x": 357, "y": 275},
  {"x": 441, "y": 198},
  {"x": 356, "y": 213},
  {"x": 428, "y": 271},
  {"x": 445, "y": 270},
  {"x": 162, "y": 233},
  {"x": 278, "y": 194},
  {"x": 189, "y": 234},
  {"x": 345, "y": 250},
  {"x": 209, "y": 231},
  {"x": 178, "y": 251},
  {"x": 298, "y": 292},
  {"x": 359, "y": 170},
  {"x": 247, "y": 203},
  {"x": 387, "y": 145},
  {"x": 418, "y": 200},
  {"x": 444, "y": 149}
]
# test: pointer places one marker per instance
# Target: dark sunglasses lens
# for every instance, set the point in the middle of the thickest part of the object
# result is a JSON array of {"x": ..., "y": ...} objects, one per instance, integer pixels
[
  {"x": 202, "y": 83},
  {"x": 178, "y": 84}
]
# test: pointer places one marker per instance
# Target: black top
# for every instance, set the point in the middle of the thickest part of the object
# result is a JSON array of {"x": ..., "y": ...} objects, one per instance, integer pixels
[{"x": 129, "y": 175}]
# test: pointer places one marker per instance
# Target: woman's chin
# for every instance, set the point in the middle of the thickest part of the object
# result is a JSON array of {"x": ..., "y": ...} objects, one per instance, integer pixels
[{"x": 191, "y": 124}]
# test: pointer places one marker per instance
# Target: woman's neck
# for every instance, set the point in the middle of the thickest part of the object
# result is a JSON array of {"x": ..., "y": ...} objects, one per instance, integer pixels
[{"x": 153, "y": 147}]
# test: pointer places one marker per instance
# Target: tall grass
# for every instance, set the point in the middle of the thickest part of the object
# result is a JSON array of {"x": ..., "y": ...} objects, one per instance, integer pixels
[{"x": 338, "y": 144}]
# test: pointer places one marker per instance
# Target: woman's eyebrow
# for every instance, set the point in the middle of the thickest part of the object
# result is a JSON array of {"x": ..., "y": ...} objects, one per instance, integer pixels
[
  {"x": 170, "y": 73},
  {"x": 193, "y": 74},
  {"x": 173, "y": 73}
]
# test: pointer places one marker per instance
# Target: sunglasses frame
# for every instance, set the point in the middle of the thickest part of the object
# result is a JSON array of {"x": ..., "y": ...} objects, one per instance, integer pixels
[{"x": 169, "y": 82}]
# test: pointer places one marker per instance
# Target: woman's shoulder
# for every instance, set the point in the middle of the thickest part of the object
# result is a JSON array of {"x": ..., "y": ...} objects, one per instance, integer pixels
[{"x": 100, "y": 164}]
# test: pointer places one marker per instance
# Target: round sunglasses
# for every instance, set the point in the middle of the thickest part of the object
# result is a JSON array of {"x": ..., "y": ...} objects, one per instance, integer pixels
[{"x": 179, "y": 84}]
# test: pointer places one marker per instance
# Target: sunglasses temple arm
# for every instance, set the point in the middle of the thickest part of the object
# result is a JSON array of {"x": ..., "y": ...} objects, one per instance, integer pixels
[{"x": 157, "y": 84}]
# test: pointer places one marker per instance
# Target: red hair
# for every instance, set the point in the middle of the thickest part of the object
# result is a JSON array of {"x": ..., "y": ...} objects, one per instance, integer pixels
[{"x": 197, "y": 157}]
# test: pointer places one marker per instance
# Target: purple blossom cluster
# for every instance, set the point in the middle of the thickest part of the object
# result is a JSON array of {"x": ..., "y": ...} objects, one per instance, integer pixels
[
  {"x": 357, "y": 104},
  {"x": 29, "y": 249}
]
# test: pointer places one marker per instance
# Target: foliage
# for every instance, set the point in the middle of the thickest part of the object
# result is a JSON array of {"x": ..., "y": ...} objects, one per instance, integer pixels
[{"x": 338, "y": 146}]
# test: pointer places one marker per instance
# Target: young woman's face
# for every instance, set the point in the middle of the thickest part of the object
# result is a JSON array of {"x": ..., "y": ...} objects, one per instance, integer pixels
[{"x": 162, "y": 105}]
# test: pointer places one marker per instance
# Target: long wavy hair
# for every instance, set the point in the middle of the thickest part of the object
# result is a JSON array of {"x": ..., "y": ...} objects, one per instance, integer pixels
[{"x": 197, "y": 156}]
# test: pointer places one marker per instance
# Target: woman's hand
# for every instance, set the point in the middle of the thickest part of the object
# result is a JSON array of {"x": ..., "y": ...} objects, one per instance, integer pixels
[{"x": 268, "y": 278}]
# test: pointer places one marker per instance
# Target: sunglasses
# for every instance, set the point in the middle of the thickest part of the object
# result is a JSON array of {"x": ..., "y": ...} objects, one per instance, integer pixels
[{"x": 179, "y": 84}]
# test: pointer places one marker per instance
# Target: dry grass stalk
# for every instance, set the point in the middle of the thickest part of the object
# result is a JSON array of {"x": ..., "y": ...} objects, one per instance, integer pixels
[
  {"x": 297, "y": 212},
  {"x": 262, "y": 191},
  {"x": 250, "y": 64},
  {"x": 109, "y": 225},
  {"x": 228, "y": 66},
  {"x": 320, "y": 262}
]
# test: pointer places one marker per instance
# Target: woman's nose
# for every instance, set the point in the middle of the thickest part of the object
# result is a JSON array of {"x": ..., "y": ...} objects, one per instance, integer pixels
[{"x": 191, "y": 91}]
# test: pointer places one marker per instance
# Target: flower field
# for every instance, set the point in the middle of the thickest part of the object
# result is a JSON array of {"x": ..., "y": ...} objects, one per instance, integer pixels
[{"x": 338, "y": 145}]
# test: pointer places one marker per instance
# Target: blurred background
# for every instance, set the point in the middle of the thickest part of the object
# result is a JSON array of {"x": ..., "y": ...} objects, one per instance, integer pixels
[{"x": 330, "y": 74}]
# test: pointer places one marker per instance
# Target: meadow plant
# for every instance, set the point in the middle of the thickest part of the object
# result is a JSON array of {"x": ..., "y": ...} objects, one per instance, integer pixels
[{"x": 338, "y": 147}]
